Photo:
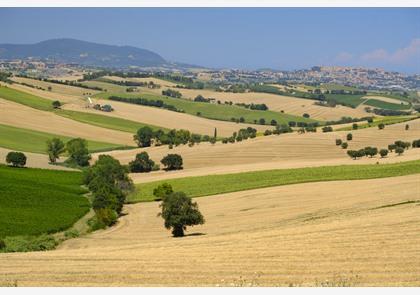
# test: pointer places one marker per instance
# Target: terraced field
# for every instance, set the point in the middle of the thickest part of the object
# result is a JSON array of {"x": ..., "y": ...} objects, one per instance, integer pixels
[{"x": 365, "y": 234}]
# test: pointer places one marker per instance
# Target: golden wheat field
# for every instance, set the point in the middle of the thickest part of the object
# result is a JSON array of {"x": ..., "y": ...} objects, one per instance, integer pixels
[
  {"x": 274, "y": 152},
  {"x": 326, "y": 233},
  {"x": 18, "y": 115}
]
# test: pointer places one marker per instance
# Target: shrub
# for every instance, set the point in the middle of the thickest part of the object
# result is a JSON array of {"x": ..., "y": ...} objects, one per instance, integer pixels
[
  {"x": 2, "y": 245},
  {"x": 273, "y": 123},
  {"x": 241, "y": 119},
  {"x": 399, "y": 150},
  {"x": 56, "y": 104},
  {"x": 55, "y": 147},
  {"x": 106, "y": 216},
  {"x": 142, "y": 163},
  {"x": 404, "y": 145},
  {"x": 78, "y": 152},
  {"x": 416, "y": 143},
  {"x": 391, "y": 147},
  {"x": 179, "y": 211},
  {"x": 338, "y": 141},
  {"x": 407, "y": 126},
  {"x": 268, "y": 132},
  {"x": 71, "y": 233},
  {"x": 383, "y": 153},
  {"x": 344, "y": 145},
  {"x": 355, "y": 126},
  {"x": 305, "y": 115},
  {"x": 262, "y": 121},
  {"x": 29, "y": 243},
  {"x": 327, "y": 129},
  {"x": 17, "y": 159},
  {"x": 162, "y": 191},
  {"x": 172, "y": 162},
  {"x": 381, "y": 126},
  {"x": 356, "y": 154},
  {"x": 349, "y": 136}
]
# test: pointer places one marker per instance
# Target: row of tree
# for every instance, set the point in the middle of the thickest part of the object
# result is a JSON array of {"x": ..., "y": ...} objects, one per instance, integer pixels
[
  {"x": 142, "y": 163},
  {"x": 172, "y": 93},
  {"x": 146, "y": 102}
]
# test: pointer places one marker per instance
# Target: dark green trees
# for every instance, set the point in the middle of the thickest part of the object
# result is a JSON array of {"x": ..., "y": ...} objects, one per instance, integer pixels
[
  {"x": 142, "y": 163},
  {"x": 109, "y": 183},
  {"x": 77, "y": 149},
  {"x": 172, "y": 162},
  {"x": 179, "y": 211},
  {"x": 56, "y": 104},
  {"x": 383, "y": 153},
  {"x": 381, "y": 126},
  {"x": 17, "y": 159},
  {"x": 349, "y": 136},
  {"x": 144, "y": 136},
  {"x": 55, "y": 147}
]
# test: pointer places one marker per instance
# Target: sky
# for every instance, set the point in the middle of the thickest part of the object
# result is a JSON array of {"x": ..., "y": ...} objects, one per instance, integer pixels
[{"x": 243, "y": 38}]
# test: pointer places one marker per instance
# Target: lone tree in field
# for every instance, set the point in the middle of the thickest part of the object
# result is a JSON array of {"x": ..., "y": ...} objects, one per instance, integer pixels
[
  {"x": 142, "y": 163},
  {"x": 349, "y": 136},
  {"x": 381, "y": 126},
  {"x": 172, "y": 162},
  {"x": 17, "y": 159},
  {"x": 179, "y": 211},
  {"x": 407, "y": 126},
  {"x": 371, "y": 151},
  {"x": 56, "y": 104},
  {"x": 144, "y": 136},
  {"x": 77, "y": 149},
  {"x": 55, "y": 147},
  {"x": 355, "y": 126},
  {"x": 344, "y": 145},
  {"x": 338, "y": 141},
  {"x": 383, "y": 153}
]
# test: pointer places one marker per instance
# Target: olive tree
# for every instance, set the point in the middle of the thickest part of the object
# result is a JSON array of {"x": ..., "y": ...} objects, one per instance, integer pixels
[
  {"x": 17, "y": 159},
  {"x": 178, "y": 212},
  {"x": 144, "y": 136},
  {"x": 172, "y": 162},
  {"x": 142, "y": 163}
]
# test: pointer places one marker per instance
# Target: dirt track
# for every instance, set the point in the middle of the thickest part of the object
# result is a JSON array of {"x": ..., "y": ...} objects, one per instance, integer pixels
[{"x": 290, "y": 235}]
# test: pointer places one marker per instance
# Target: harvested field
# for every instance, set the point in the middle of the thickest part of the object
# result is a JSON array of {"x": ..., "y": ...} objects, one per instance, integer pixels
[
  {"x": 366, "y": 234},
  {"x": 290, "y": 105},
  {"x": 275, "y": 152},
  {"x": 33, "y": 160},
  {"x": 167, "y": 119},
  {"x": 162, "y": 83},
  {"x": 18, "y": 115}
]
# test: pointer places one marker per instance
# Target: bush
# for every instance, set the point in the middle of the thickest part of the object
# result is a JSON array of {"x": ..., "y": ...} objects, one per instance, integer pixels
[
  {"x": 356, "y": 154},
  {"x": 305, "y": 115},
  {"x": 404, "y": 145},
  {"x": 179, "y": 211},
  {"x": 349, "y": 136},
  {"x": 106, "y": 216},
  {"x": 416, "y": 143},
  {"x": 56, "y": 104},
  {"x": 381, "y": 126},
  {"x": 162, "y": 191},
  {"x": 17, "y": 159},
  {"x": 344, "y": 145},
  {"x": 407, "y": 127},
  {"x": 29, "y": 243},
  {"x": 261, "y": 121},
  {"x": 371, "y": 151},
  {"x": 2, "y": 245},
  {"x": 78, "y": 152},
  {"x": 338, "y": 142},
  {"x": 399, "y": 150},
  {"x": 55, "y": 147},
  {"x": 71, "y": 233},
  {"x": 172, "y": 162},
  {"x": 142, "y": 163},
  {"x": 383, "y": 153},
  {"x": 268, "y": 132},
  {"x": 355, "y": 126},
  {"x": 327, "y": 129}
]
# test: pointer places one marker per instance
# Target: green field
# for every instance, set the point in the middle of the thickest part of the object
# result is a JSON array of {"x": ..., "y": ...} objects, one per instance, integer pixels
[
  {"x": 27, "y": 99},
  {"x": 27, "y": 140},
  {"x": 386, "y": 105},
  {"x": 37, "y": 201},
  {"x": 106, "y": 121},
  {"x": 333, "y": 86},
  {"x": 217, "y": 184},
  {"x": 346, "y": 99},
  {"x": 215, "y": 111},
  {"x": 389, "y": 120}
]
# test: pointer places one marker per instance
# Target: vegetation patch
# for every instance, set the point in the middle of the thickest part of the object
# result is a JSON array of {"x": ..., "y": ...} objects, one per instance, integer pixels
[
  {"x": 376, "y": 121},
  {"x": 36, "y": 142},
  {"x": 386, "y": 105},
  {"x": 217, "y": 184},
  {"x": 38, "y": 201},
  {"x": 27, "y": 99}
]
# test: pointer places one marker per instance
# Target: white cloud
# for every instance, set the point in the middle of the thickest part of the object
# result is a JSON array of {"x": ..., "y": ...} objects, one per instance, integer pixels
[{"x": 402, "y": 55}]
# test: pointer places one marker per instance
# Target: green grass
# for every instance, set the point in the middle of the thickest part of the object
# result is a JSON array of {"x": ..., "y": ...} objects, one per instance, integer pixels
[
  {"x": 389, "y": 120},
  {"x": 37, "y": 201},
  {"x": 346, "y": 99},
  {"x": 27, "y": 140},
  {"x": 386, "y": 105},
  {"x": 27, "y": 99},
  {"x": 217, "y": 184},
  {"x": 333, "y": 86},
  {"x": 215, "y": 111},
  {"x": 105, "y": 121}
]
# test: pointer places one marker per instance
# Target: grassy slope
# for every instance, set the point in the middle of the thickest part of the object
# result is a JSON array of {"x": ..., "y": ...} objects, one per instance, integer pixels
[
  {"x": 36, "y": 201},
  {"x": 214, "y": 111},
  {"x": 217, "y": 184},
  {"x": 347, "y": 99},
  {"x": 389, "y": 120},
  {"x": 44, "y": 104},
  {"x": 27, "y": 140},
  {"x": 386, "y": 105}
]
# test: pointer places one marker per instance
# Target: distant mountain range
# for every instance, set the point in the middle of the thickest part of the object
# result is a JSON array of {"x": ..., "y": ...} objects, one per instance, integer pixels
[{"x": 83, "y": 53}]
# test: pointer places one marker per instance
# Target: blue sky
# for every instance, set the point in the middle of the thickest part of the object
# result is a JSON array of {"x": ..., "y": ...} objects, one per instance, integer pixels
[{"x": 250, "y": 38}]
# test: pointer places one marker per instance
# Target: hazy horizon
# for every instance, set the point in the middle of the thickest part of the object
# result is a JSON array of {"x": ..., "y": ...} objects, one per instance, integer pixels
[{"x": 241, "y": 38}]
